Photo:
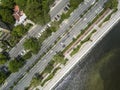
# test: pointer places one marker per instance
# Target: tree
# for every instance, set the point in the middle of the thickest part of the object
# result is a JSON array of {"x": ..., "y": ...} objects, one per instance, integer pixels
[
  {"x": 112, "y": 4},
  {"x": 74, "y": 4},
  {"x": 36, "y": 10},
  {"x": 35, "y": 81},
  {"x": 53, "y": 29},
  {"x": 27, "y": 56},
  {"x": 7, "y": 4},
  {"x": 3, "y": 58},
  {"x": 59, "y": 58},
  {"x": 21, "y": 3},
  {"x": 18, "y": 31},
  {"x": 3, "y": 76},
  {"x": 33, "y": 11},
  {"x": 32, "y": 44},
  {"x": 6, "y": 16},
  {"x": 49, "y": 67},
  {"x": 6, "y": 11},
  {"x": 14, "y": 65},
  {"x": 26, "y": 88}
]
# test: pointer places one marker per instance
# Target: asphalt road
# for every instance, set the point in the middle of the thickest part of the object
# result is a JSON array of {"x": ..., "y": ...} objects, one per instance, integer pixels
[
  {"x": 96, "y": 38},
  {"x": 17, "y": 49},
  {"x": 33, "y": 32},
  {"x": 39, "y": 67},
  {"x": 58, "y": 8},
  {"x": 74, "y": 17}
]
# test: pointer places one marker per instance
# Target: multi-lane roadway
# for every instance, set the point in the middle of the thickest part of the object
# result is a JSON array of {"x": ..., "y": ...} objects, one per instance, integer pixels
[
  {"x": 58, "y": 8},
  {"x": 48, "y": 42},
  {"x": 39, "y": 67},
  {"x": 36, "y": 29},
  {"x": 54, "y": 83}
]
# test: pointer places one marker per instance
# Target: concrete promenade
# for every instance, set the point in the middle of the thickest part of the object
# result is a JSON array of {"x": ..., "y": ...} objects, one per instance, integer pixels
[{"x": 84, "y": 50}]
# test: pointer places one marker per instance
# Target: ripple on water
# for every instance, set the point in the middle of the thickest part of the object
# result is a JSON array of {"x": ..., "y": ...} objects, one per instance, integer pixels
[{"x": 99, "y": 70}]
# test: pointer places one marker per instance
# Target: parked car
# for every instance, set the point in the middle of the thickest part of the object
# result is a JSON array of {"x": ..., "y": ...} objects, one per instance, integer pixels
[
  {"x": 4, "y": 69},
  {"x": 23, "y": 52},
  {"x": 38, "y": 36},
  {"x": 48, "y": 25}
]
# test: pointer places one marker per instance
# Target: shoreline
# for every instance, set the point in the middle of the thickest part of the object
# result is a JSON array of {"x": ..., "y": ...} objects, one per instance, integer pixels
[{"x": 70, "y": 65}]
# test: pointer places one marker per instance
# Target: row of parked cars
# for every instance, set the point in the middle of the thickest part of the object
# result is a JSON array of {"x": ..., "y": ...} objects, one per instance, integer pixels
[
  {"x": 23, "y": 52},
  {"x": 65, "y": 9}
]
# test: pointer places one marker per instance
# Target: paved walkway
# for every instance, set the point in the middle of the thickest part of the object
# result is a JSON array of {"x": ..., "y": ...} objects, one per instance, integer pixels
[
  {"x": 68, "y": 56},
  {"x": 28, "y": 21},
  {"x": 86, "y": 32},
  {"x": 78, "y": 57},
  {"x": 96, "y": 27}
]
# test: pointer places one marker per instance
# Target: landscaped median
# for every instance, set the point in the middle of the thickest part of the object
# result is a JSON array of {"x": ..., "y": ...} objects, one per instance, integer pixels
[
  {"x": 84, "y": 32},
  {"x": 49, "y": 74},
  {"x": 75, "y": 50},
  {"x": 49, "y": 71},
  {"x": 111, "y": 4},
  {"x": 107, "y": 18},
  {"x": 73, "y": 6},
  {"x": 34, "y": 45},
  {"x": 47, "y": 77}
]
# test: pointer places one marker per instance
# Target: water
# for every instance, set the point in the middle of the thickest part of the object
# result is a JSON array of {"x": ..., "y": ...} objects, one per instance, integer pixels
[{"x": 100, "y": 69}]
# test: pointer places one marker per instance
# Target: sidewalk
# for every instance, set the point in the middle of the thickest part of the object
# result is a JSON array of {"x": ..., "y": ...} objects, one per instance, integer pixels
[
  {"x": 78, "y": 57},
  {"x": 86, "y": 32}
]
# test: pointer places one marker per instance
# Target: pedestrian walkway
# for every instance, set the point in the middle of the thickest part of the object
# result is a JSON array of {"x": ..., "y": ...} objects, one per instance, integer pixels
[
  {"x": 28, "y": 21},
  {"x": 86, "y": 32},
  {"x": 96, "y": 27},
  {"x": 68, "y": 56},
  {"x": 78, "y": 57}
]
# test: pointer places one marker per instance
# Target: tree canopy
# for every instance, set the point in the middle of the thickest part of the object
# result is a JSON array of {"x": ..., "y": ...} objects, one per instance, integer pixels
[
  {"x": 18, "y": 31},
  {"x": 32, "y": 44},
  {"x": 59, "y": 58},
  {"x": 74, "y": 3},
  {"x": 49, "y": 67},
  {"x": 6, "y": 11},
  {"x": 112, "y": 4},
  {"x": 36, "y": 10},
  {"x": 3, "y": 58},
  {"x": 27, "y": 56},
  {"x": 14, "y": 65},
  {"x": 3, "y": 76},
  {"x": 6, "y": 15}
]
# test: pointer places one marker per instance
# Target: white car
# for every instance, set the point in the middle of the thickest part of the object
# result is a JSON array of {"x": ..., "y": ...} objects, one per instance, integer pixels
[
  {"x": 48, "y": 25},
  {"x": 23, "y": 52},
  {"x": 85, "y": 19},
  {"x": 61, "y": 43},
  {"x": 51, "y": 51},
  {"x": 93, "y": 2},
  {"x": 42, "y": 30},
  {"x": 39, "y": 34}
]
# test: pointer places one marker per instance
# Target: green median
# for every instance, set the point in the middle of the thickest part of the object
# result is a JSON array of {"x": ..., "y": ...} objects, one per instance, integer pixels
[{"x": 75, "y": 50}]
